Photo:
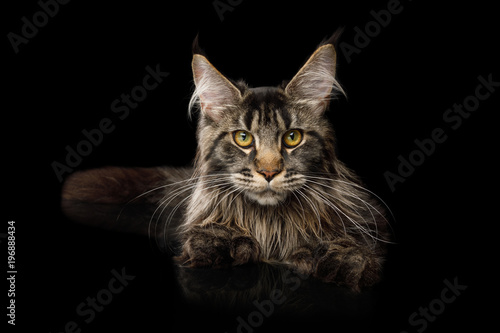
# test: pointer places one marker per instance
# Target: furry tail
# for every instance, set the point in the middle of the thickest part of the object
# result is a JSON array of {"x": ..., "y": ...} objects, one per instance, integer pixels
[
  {"x": 114, "y": 185},
  {"x": 124, "y": 199}
]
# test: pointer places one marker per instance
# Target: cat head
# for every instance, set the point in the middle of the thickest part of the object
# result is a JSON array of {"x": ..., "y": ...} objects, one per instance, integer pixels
[{"x": 265, "y": 140}]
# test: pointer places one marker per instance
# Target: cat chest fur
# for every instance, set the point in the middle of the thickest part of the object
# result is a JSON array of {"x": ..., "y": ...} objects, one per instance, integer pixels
[{"x": 279, "y": 230}]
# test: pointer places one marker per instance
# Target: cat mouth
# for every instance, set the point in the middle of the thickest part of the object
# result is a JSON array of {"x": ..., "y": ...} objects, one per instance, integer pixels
[
  {"x": 267, "y": 193},
  {"x": 267, "y": 197}
]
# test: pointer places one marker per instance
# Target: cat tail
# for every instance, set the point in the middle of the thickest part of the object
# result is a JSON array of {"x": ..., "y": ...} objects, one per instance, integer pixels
[
  {"x": 115, "y": 185},
  {"x": 135, "y": 200}
]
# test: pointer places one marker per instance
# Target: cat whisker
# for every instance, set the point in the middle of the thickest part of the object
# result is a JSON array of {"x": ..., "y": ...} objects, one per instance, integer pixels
[
  {"x": 168, "y": 198},
  {"x": 157, "y": 188},
  {"x": 356, "y": 185},
  {"x": 218, "y": 183},
  {"x": 213, "y": 184},
  {"x": 366, "y": 231},
  {"x": 368, "y": 206},
  {"x": 302, "y": 207},
  {"x": 169, "y": 218},
  {"x": 337, "y": 211},
  {"x": 191, "y": 179},
  {"x": 314, "y": 209},
  {"x": 164, "y": 203},
  {"x": 351, "y": 194},
  {"x": 232, "y": 189},
  {"x": 330, "y": 204}
]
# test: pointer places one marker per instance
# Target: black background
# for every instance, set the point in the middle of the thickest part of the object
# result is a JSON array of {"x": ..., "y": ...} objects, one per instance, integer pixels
[{"x": 399, "y": 86}]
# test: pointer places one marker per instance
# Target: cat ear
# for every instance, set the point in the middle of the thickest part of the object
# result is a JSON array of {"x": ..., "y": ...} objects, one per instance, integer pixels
[
  {"x": 315, "y": 82},
  {"x": 213, "y": 92}
]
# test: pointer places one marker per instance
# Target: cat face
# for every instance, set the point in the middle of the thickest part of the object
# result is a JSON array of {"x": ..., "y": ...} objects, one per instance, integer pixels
[{"x": 264, "y": 141}]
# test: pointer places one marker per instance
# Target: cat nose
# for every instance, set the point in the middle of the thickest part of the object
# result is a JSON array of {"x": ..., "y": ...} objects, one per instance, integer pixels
[{"x": 269, "y": 175}]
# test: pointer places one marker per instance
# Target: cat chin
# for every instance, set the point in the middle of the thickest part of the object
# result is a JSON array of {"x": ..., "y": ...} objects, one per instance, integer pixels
[{"x": 266, "y": 198}]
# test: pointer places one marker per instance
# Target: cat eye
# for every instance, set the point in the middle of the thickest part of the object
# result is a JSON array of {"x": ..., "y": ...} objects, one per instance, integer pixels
[
  {"x": 243, "y": 139},
  {"x": 292, "y": 138}
]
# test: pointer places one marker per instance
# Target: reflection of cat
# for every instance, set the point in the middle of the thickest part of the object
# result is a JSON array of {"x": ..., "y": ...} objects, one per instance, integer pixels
[
  {"x": 266, "y": 185},
  {"x": 271, "y": 290}
]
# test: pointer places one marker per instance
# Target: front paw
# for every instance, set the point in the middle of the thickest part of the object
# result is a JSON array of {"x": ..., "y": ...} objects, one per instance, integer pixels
[
  {"x": 216, "y": 247},
  {"x": 302, "y": 261},
  {"x": 352, "y": 267},
  {"x": 244, "y": 249},
  {"x": 206, "y": 249}
]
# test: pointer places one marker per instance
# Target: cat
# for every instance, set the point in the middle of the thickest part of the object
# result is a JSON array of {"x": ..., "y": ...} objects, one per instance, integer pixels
[{"x": 266, "y": 185}]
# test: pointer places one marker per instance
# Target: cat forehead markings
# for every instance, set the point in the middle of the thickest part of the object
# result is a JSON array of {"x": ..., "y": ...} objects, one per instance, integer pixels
[
  {"x": 266, "y": 124},
  {"x": 265, "y": 110}
]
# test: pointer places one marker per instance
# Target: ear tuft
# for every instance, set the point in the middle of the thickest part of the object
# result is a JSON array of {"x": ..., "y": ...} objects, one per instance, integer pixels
[
  {"x": 196, "y": 46},
  {"x": 214, "y": 93},
  {"x": 334, "y": 38}
]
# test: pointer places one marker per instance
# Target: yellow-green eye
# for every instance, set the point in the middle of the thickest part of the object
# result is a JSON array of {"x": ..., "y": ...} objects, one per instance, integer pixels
[
  {"x": 243, "y": 139},
  {"x": 292, "y": 138}
]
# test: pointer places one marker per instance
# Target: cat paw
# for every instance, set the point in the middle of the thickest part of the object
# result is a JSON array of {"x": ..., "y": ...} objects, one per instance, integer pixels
[
  {"x": 302, "y": 261},
  {"x": 215, "y": 247},
  {"x": 206, "y": 248},
  {"x": 244, "y": 249},
  {"x": 351, "y": 267}
]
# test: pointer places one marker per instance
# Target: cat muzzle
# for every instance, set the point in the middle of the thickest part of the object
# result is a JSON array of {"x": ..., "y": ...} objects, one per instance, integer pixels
[{"x": 269, "y": 175}]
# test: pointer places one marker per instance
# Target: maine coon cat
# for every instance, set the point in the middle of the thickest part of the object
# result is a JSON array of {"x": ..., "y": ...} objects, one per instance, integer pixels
[{"x": 266, "y": 183}]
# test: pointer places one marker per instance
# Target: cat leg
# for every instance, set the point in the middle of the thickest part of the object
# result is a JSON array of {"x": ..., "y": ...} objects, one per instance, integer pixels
[
  {"x": 217, "y": 247},
  {"x": 302, "y": 260},
  {"x": 346, "y": 263}
]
